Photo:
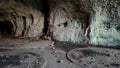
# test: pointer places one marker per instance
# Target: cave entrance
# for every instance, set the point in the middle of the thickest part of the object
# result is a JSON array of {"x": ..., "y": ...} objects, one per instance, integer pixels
[{"x": 6, "y": 28}]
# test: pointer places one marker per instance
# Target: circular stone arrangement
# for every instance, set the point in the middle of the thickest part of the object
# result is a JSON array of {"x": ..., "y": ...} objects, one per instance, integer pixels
[
  {"x": 93, "y": 57},
  {"x": 21, "y": 60}
]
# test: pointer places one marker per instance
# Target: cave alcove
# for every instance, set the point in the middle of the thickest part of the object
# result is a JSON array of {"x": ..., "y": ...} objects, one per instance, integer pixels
[{"x": 6, "y": 28}]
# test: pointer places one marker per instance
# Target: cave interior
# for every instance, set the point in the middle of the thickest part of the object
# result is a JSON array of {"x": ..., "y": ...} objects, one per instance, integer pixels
[{"x": 59, "y": 33}]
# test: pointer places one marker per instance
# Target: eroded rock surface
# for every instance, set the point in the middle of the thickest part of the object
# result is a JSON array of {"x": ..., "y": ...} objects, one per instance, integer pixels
[
  {"x": 69, "y": 24},
  {"x": 80, "y": 21},
  {"x": 105, "y": 24},
  {"x": 86, "y": 21},
  {"x": 26, "y": 17}
]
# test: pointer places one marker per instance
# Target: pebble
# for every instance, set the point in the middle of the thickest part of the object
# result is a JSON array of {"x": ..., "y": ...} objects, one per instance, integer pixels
[
  {"x": 55, "y": 51},
  {"x": 64, "y": 43},
  {"x": 53, "y": 48},
  {"x": 52, "y": 44},
  {"x": 21, "y": 61},
  {"x": 57, "y": 56},
  {"x": 49, "y": 38},
  {"x": 3, "y": 60},
  {"x": 39, "y": 48},
  {"x": 60, "y": 61},
  {"x": 7, "y": 56},
  {"x": 8, "y": 66}
]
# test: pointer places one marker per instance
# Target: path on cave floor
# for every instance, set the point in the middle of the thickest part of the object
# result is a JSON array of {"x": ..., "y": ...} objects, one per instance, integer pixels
[
  {"x": 54, "y": 58},
  {"x": 23, "y": 53}
]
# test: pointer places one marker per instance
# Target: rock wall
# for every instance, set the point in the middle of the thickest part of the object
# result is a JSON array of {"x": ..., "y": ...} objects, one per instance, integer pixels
[
  {"x": 106, "y": 22},
  {"x": 87, "y": 21},
  {"x": 69, "y": 24},
  {"x": 25, "y": 15},
  {"x": 78, "y": 21}
]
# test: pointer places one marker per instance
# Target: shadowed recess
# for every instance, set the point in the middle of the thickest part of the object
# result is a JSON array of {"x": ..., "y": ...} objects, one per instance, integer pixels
[{"x": 6, "y": 28}]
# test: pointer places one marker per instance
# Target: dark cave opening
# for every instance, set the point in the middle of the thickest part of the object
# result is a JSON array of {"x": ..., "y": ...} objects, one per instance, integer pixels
[
  {"x": 46, "y": 11},
  {"x": 6, "y": 28}
]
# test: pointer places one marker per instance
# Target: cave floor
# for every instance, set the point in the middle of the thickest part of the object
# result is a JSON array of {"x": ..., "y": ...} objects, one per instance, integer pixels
[
  {"x": 12, "y": 51},
  {"x": 24, "y": 53}
]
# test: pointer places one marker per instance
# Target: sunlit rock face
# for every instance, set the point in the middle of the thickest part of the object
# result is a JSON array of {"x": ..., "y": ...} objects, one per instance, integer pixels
[
  {"x": 87, "y": 21},
  {"x": 25, "y": 15}
]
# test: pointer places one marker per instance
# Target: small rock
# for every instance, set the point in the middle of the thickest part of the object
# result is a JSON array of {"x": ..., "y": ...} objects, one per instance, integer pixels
[
  {"x": 57, "y": 56},
  {"x": 35, "y": 47},
  {"x": 3, "y": 60},
  {"x": 9, "y": 66},
  {"x": 49, "y": 38},
  {"x": 53, "y": 48},
  {"x": 60, "y": 61},
  {"x": 7, "y": 56},
  {"x": 52, "y": 44},
  {"x": 55, "y": 51},
  {"x": 39, "y": 48},
  {"x": 21, "y": 61},
  {"x": 64, "y": 43}
]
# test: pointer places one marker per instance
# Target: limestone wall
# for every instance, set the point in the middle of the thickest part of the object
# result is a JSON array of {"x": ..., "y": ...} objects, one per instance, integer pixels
[
  {"x": 25, "y": 15},
  {"x": 78, "y": 21},
  {"x": 88, "y": 21}
]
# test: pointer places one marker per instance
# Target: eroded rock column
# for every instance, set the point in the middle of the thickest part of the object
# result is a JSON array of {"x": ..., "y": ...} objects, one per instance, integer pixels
[
  {"x": 68, "y": 24},
  {"x": 26, "y": 16}
]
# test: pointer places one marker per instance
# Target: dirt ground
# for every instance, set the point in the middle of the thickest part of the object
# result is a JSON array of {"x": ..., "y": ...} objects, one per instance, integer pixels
[
  {"x": 12, "y": 48},
  {"x": 24, "y": 53}
]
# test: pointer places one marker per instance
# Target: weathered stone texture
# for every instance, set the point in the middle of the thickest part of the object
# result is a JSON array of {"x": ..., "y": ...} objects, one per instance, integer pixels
[
  {"x": 67, "y": 24},
  {"x": 106, "y": 22},
  {"x": 28, "y": 21},
  {"x": 78, "y": 21},
  {"x": 92, "y": 21}
]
